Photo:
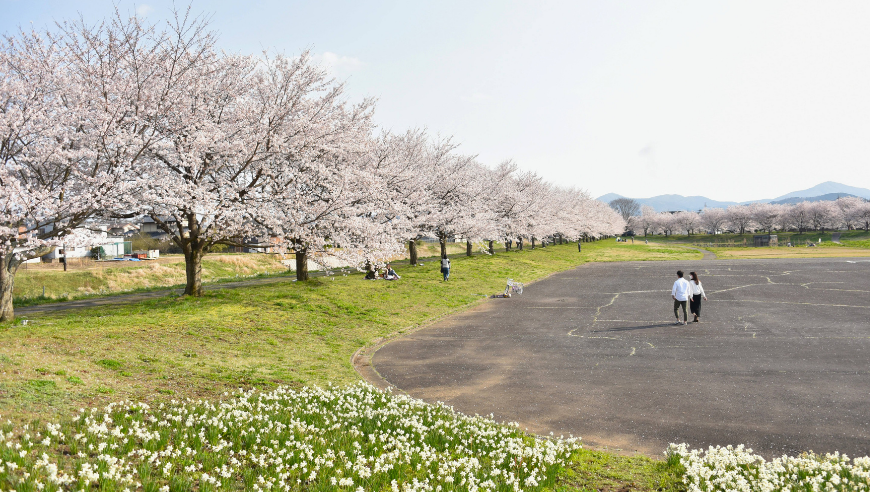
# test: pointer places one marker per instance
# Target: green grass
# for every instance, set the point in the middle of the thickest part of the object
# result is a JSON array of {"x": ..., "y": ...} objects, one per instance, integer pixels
[
  {"x": 104, "y": 278},
  {"x": 286, "y": 333},
  {"x": 738, "y": 239},
  {"x": 591, "y": 470}
]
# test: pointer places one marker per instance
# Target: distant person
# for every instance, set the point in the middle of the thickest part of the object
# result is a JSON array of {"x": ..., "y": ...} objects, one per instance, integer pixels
[
  {"x": 697, "y": 294},
  {"x": 680, "y": 293},
  {"x": 579, "y": 245},
  {"x": 445, "y": 268},
  {"x": 391, "y": 274}
]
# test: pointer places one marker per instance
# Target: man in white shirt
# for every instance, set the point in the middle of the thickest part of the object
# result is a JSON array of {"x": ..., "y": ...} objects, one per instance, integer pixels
[
  {"x": 445, "y": 268},
  {"x": 680, "y": 293}
]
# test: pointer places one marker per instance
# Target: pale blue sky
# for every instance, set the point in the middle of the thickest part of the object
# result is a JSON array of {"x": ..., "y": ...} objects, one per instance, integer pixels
[{"x": 732, "y": 100}]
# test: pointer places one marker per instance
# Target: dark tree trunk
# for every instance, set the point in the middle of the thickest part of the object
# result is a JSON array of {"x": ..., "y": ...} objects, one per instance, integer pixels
[
  {"x": 467, "y": 248},
  {"x": 302, "y": 265},
  {"x": 491, "y": 250},
  {"x": 443, "y": 242},
  {"x": 507, "y": 244},
  {"x": 193, "y": 269},
  {"x": 412, "y": 251},
  {"x": 8, "y": 267},
  {"x": 533, "y": 242},
  {"x": 520, "y": 244}
]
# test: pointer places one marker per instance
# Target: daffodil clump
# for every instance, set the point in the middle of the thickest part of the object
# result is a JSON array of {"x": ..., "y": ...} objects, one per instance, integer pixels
[
  {"x": 355, "y": 438},
  {"x": 738, "y": 469}
]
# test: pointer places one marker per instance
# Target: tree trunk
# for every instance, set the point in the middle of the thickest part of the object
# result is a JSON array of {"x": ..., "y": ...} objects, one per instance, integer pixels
[
  {"x": 491, "y": 250},
  {"x": 302, "y": 265},
  {"x": 443, "y": 243},
  {"x": 467, "y": 248},
  {"x": 520, "y": 244},
  {"x": 412, "y": 251},
  {"x": 533, "y": 242},
  {"x": 8, "y": 266},
  {"x": 507, "y": 244},
  {"x": 193, "y": 269}
]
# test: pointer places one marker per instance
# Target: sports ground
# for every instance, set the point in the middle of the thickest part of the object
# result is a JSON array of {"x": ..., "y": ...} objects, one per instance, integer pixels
[{"x": 780, "y": 361}]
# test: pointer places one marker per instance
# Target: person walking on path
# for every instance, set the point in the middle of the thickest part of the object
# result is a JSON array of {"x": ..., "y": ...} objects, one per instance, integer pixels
[
  {"x": 697, "y": 294},
  {"x": 680, "y": 293},
  {"x": 445, "y": 268}
]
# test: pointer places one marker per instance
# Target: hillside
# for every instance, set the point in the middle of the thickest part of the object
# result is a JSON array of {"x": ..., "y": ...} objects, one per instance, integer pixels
[{"x": 828, "y": 190}]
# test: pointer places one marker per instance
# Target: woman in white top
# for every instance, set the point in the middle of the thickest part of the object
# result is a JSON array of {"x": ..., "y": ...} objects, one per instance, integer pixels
[{"x": 697, "y": 294}]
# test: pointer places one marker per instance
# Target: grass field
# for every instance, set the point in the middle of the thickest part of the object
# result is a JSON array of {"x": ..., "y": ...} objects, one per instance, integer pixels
[
  {"x": 285, "y": 333},
  {"x": 88, "y": 278},
  {"x": 737, "y": 246},
  {"x": 47, "y": 282},
  {"x": 799, "y": 252},
  {"x": 854, "y": 238}
]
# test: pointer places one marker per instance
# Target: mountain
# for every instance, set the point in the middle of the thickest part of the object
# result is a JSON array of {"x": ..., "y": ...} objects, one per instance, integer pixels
[
  {"x": 663, "y": 203},
  {"x": 609, "y": 197},
  {"x": 821, "y": 198},
  {"x": 828, "y": 190}
]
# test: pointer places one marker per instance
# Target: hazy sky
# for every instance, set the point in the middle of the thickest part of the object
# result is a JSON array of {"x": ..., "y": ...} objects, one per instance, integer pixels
[{"x": 731, "y": 100}]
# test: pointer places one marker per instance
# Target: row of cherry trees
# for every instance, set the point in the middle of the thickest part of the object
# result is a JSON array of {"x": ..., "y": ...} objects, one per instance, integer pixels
[
  {"x": 847, "y": 213},
  {"x": 124, "y": 119}
]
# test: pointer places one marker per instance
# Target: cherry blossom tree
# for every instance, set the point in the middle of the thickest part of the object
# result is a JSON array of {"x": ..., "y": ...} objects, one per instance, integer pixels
[
  {"x": 398, "y": 163},
  {"x": 861, "y": 214},
  {"x": 454, "y": 190},
  {"x": 688, "y": 221},
  {"x": 798, "y": 216},
  {"x": 227, "y": 141},
  {"x": 739, "y": 217},
  {"x": 647, "y": 219},
  {"x": 50, "y": 181},
  {"x": 766, "y": 215},
  {"x": 824, "y": 215},
  {"x": 713, "y": 219},
  {"x": 850, "y": 207},
  {"x": 667, "y": 223}
]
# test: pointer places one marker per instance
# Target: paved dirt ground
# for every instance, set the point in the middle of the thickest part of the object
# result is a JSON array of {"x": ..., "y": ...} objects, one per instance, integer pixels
[{"x": 780, "y": 361}]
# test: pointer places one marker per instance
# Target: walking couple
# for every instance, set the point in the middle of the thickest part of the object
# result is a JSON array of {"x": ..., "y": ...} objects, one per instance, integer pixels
[{"x": 691, "y": 292}]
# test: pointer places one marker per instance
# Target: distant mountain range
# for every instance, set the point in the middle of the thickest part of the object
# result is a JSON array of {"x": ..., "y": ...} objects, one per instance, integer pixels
[
  {"x": 821, "y": 198},
  {"x": 828, "y": 190}
]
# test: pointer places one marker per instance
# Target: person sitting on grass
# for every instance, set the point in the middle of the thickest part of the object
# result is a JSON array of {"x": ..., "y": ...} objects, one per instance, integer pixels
[{"x": 390, "y": 274}]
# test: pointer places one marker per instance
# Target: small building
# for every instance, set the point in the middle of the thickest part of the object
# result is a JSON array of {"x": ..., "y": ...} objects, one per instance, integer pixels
[
  {"x": 765, "y": 240},
  {"x": 150, "y": 227},
  {"x": 110, "y": 247}
]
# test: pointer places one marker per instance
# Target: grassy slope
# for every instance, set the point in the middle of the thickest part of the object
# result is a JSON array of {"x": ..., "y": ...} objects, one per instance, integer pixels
[
  {"x": 108, "y": 277},
  {"x": 286, "y": 333}
]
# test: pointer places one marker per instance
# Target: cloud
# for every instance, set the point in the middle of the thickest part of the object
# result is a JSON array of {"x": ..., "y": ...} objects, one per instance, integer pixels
[
  {"x": 338, "y": 64},
  {"x": 144, "y": 9}
]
